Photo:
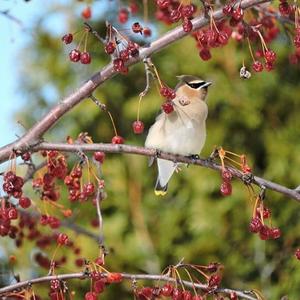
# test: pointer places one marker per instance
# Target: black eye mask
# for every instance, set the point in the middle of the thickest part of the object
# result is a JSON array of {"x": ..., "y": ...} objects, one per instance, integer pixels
[{"x": 196, "y": 85}]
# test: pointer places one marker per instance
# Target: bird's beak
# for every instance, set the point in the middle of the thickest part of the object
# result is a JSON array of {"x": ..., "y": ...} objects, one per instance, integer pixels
[{"x": 208, "y": 83}]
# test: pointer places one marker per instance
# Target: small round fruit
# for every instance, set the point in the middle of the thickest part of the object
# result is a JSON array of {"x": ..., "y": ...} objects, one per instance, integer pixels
[
  {"x": 74, "y": 55},
  {"x": 138, "y": 127},
  {"x": 117, "y": 140},
  {"x": 99, "y": 156},
  {"x": 167, "y": 107},
  {"x": 86, "y": 13},
  {"x": 226, "y": 188},
  {"x": 67, "y": 38},
  {"x": 24, "y": 202},
  {"x": 85, "y": 58}
]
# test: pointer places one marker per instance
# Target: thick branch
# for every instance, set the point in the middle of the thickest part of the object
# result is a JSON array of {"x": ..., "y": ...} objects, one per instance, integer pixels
[
  {"x": 24, "y": 284},
  {"x": 207, "y": 163},
  {"x": 85, "y": 90}
]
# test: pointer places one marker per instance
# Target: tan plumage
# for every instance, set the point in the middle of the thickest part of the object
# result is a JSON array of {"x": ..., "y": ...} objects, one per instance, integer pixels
[{"x": 181, "y": 132}]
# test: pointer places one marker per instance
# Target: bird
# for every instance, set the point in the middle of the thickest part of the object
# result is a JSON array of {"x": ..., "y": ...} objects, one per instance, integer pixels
[{"x": 183, "y": 131}]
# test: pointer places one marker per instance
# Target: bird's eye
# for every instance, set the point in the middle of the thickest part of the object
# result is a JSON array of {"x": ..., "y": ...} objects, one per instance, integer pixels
[{"x": 195, "y": 85}]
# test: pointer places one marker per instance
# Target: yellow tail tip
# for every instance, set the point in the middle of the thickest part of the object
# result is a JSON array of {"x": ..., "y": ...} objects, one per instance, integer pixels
[{"x": 160, "y": 193}]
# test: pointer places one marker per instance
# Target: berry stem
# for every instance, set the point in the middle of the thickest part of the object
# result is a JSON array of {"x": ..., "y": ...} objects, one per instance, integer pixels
[
  {"x": 250, "y": 49},
  {"x": 139, "y": 107},
  {"x": 113, "y": 123},
  {"x": 191, "y": 279},
  {"x": 85, "y": 41},
  {"x": 264, "y": 46}
]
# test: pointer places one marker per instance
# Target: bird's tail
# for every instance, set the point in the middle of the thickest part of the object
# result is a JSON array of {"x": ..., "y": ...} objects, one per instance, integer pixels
[{"x": 166, "y": 169}]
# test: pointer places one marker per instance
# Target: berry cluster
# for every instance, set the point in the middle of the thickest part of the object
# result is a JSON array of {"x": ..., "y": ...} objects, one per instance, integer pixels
[
  {"x": 99, "y": 282},
  {"x": 173, "y": 11},
  {"x": 76, "y": 190},
  {"x": 13, "y": 184},
  {"x": 130, "y": 49},
  {"x": 56, "y": 169},
  {"x": 216, "y": 36},
  {"x": 257, "y": 225},
  {"x": 169, "y": 94},
  {"x": 76, "y": 55},
  {"x": 226, "y": 187}
]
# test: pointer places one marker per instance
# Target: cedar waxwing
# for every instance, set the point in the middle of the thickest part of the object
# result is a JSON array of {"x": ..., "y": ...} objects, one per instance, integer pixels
[{"x": 182, "y": 131}]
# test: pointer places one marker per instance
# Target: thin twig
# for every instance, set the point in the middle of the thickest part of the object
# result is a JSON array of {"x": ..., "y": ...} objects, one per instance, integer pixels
[
  {"x": 249, "y": 295},
  {"x": 207, "y": 163}
]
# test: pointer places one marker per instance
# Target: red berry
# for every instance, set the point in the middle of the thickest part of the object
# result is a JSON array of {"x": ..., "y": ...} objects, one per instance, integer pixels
[
  {"x": 188, "y": 10},
  {"x": 167, "y": 107},
  {"x": 297, "y": 253},
  {"x": 74, "y": 55},
  {"x": 24, "y": 202},
  {"x": 26, "y": 156},
  {"x": 110, "y": 48},
  {"x": 133, "y": 7},
  {"x": 284, "y": 8},
  {"x": 99, "y": 156},
  {"x": 138, "y": 127},
  {"x": 275, "y": 233},
  {"x": 118, "y": 64},
  {"x": 67, "y": 38},
  {"x": 114, "y": 277},
  {"x": 89, "y": 188},
  {"x": 86, "y": 13},
  {"x": 90, "y": 296},
  {"x": 85, "y": 58},
  {"x": 177, "y": 294},
  {"x": 147, "y": 32},
  {"x": 265, "y": 233},
  {"x": 233, "y": 296},
  {"x": 163, "y": 3},
  {"x": 205, "y": 54},
  {"x": 54, "y": 284},
  {"x": 270, "y": 56},
  {"x": 167, "y": 289},
  {"x": 167, "y": 92},
  {"x": 214, "y": 281},
  {"x": 257, "y": 66},
  {"x": 136, "y": 27},
  {"x": 227, "y": 10},
  {"x": 175, "y": 15},
  {"x": 238, "y": 14},
  {"x": 187, "y": 25},
  {"x": 297, "y": 40},
  {"x": 99, "y": 286},
  {"x": 255, "y": 225},
  {"x": 226, "y": 188},
  {"x": 124, "y": 55},
  {"x": 62, "y": 239},
  {"x": 226, "y": 175},
  {"x": 117, "y": 140},
  {"x": 223, "y": 37},
  {"x": 12, "y": 213},
  {"x": 123, "y": 15},
  {"x": 186, "y": 295}
]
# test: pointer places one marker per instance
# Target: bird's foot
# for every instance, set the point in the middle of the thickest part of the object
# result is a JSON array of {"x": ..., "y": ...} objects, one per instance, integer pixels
[{"x": 157, "y": 153}]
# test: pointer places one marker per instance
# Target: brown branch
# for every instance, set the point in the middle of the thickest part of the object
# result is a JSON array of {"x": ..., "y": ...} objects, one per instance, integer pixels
[
  {"x": 28, "y": 283},
  {"x": 34, "y": 135},
  {"x": 207, "y": 163}
]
